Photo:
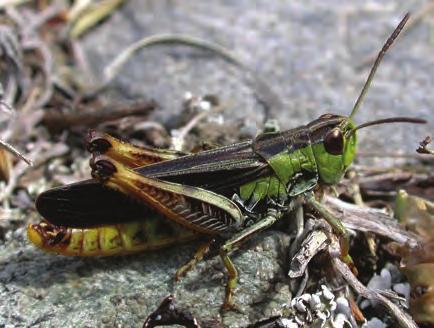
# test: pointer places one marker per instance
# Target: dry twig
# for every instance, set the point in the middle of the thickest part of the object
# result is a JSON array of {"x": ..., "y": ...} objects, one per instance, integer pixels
[
  {"x": 87, "y": 117},
  {"x": 370, "y": 220}
]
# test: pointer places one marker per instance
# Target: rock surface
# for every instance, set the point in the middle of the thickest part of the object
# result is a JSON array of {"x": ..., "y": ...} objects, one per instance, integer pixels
[{"x": 44, "y": 290}]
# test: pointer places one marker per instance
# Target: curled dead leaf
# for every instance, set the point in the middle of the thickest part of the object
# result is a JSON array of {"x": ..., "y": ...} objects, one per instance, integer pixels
[
  {"x": 5, "y": 165},
  {"x": 418, "y": 263},
  {"x": 88, "y": 14}
]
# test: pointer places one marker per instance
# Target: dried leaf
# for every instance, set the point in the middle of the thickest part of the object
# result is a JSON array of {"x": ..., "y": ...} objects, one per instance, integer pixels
[
  {"x": 418, "y": 213},
  {"x": 425, "y": 307},
  {"x": 421, "y": 279},
  {"x": 5, "y": 165},
  {"x": 371, "y": 220},
  {"x": 77, "y": 9},
  {"x": 12, "y": 3},
  {"x": 92, "y": 15},
  {"x": 314, "y": 242},
  {"x": 168, "y": 314},
  {"x": 387, "y": 184},
  {"x": 415, "y": 212},
  {"x": 423, "y": 146}
]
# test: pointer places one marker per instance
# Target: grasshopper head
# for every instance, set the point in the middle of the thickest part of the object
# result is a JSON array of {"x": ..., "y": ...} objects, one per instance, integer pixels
[
  {"x": 334, "y": 138},
  {"x": 334, "y": 142},
  {"x": 334, "y": 146}
]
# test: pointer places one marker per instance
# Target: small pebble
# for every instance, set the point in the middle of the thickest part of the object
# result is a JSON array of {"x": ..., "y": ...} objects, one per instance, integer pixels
[
  {"x": 341, "y": 321},
  {"x": 299, "y": 306},
  {"x": 342, "y": 306},
  {"x": 394, "y": 272},
  {"x": 287, "y": 323},
  {"x": 327, "y": 293},
  {"x": 382, "y": 281},
  {"x": 315, "y": 302},
  {"x": 403, "y": 289},
  {"x": 374, "y": 323}
]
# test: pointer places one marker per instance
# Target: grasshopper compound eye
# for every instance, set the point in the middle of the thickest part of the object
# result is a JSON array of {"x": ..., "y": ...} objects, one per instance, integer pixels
[{"x": 334, "y": 142}]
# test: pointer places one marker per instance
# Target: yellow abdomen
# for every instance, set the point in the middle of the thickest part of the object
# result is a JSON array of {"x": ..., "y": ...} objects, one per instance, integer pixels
[{"x": 108, "y": 240}]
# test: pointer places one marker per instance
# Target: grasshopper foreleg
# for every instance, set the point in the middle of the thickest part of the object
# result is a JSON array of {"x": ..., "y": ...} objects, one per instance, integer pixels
[
  {"x": 337, "y": 227},
  {"x": 233, "y": 243}
]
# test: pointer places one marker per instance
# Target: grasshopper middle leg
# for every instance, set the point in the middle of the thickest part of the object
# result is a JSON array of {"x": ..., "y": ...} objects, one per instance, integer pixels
[
  {"x": 337, "y": 227},
  {"x": 232, "y": 244}
]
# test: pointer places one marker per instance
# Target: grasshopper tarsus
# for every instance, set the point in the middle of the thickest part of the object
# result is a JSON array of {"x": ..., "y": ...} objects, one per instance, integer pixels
[{"x": 226, "y": 307}]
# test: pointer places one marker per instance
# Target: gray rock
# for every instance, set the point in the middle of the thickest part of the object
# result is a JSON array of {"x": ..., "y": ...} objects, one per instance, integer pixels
[{"x": 38, "y": 289}]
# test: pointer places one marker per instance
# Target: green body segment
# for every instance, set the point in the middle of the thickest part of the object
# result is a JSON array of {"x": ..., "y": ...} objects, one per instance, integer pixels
[
  {"x": 120, "y": 239},
  {"x": 302, "y": 161},
  {"x": 286, "y": 165}
]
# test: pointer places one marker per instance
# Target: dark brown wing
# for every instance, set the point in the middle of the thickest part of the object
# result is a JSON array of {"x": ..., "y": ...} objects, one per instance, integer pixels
[
  {"x": 88, "y": 204},
  {"x": 212, "y": 168}
]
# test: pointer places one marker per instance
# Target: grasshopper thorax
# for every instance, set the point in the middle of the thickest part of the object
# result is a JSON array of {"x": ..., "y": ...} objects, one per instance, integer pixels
[{"x": 333, "y": 145}]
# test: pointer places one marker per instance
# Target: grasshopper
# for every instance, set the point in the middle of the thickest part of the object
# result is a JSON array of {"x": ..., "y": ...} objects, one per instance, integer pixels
[{"x": 143, "y": 198}]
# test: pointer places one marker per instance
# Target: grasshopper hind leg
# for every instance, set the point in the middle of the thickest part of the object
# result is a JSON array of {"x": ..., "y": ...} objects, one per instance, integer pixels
[
  {"x": 126, "y": 153},
  {"x": 203, "y": 250},
  {"x": 195, "y": 208}
]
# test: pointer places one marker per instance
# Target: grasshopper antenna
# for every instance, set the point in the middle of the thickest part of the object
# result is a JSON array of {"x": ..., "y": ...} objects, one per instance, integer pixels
[
  {"x": 380, "y": 56},
  {"x": 411, "y": 120}
]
